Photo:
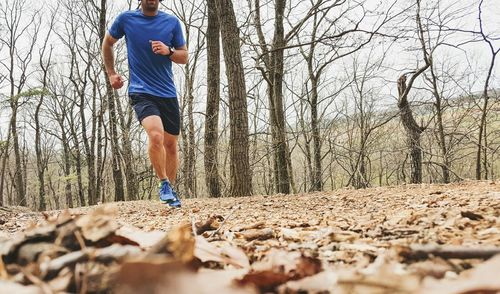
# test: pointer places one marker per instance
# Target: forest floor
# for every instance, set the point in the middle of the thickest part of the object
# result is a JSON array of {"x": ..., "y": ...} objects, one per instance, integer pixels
[{"x": 401, "y": 239}]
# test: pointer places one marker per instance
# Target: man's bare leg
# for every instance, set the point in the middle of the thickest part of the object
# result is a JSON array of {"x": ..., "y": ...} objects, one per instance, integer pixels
[
  {"x": 157, "y": 156},
  {"x": 172, "y": 156}
]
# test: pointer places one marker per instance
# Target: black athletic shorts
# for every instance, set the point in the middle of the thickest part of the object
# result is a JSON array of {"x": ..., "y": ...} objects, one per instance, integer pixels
[{"x": 166, "y": 108}]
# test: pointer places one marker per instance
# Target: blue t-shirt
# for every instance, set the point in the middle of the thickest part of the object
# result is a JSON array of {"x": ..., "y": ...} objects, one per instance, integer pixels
[{"x": 150, "y": 73}]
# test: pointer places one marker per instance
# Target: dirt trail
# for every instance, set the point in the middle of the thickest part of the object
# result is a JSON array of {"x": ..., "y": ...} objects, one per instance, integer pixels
[
  {"x": 404, "y": 213},
  {"x": 404, "y": 239}
]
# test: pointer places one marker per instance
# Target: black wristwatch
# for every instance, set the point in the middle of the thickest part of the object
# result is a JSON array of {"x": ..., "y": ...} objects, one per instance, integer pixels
[{"x": 172, "y": 50}]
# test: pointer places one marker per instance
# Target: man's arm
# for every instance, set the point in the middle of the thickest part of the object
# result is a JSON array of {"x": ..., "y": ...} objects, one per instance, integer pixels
[
  {"x": 180, "y": 55},
  {"x": 109, "y": 61}
]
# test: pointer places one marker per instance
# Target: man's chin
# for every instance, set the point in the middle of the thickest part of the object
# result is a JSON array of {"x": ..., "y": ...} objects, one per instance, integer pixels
[{"x": 149, "y": 8}]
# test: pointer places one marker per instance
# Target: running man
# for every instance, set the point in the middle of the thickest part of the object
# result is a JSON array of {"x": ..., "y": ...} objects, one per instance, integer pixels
[{"x": 154, "y": 40}]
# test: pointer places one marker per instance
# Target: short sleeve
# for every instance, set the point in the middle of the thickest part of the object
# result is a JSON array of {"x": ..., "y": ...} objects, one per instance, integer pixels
[
  {"x": 178, "y": 38},
  {"x": 117, "y": 30}
]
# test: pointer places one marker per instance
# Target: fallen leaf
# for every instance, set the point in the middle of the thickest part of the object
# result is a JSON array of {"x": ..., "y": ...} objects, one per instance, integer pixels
[
  {"x": 143, "y": 239},
  {"x": 62, "y": 281},
  {"x": 483, "y": 279},
  {"x": 178, "y": 243},
  {"x": 11, "y": 287},
  {"x": 255, "y": 234},
  {"x": 319, "y": 283},
  {"x": 174, "y": 277},
  {"x": 244, "y": 227},
  {"x": 278, "y": 267},
  {"x": 206, "y": 251},
  {"x": 290, "y": 234},
  {"x": 212, "y": 223},
  {"x": 98, "y": 225},
  {"x": 471, "y": 215}
]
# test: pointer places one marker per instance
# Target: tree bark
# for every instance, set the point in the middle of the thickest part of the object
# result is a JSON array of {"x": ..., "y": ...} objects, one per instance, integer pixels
[
  {"x": 273, "y": 74},
  {"x": 240, "y": 174},
  {"x": 212, "y": 178},
  {"x": 113, "y": 122},
  {"x": 413, "y": 132}
]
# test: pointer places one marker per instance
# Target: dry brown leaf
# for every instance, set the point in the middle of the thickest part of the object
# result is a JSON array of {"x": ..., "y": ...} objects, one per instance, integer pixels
[
  {"x": 244, "y": 227},
  {"x": 278, "y": 267},
  {"x": 143, "y": 239},
  {"x": 319, "y": 283},
  {"x": 174, "y": 277},
  {"x": 483, "y": 279},
  {"x": 343, "y": 236},
  {"x": 62, "y": 281},
  {"x": 266, "y": 280},
  {"x": 255, "y": 234},
  {"x": 212, "y": 223},
  {"x": 290, "y": 234},
  {"x": 206, "y": 251},
  {"x": 436, "y": 268},
  {"x": 11, "y": 287},
  {"x": 178, "y": 243},
  {"x": 471, "y": 215},
  {"x": 30, "y": 252},
  {"x": 98, "y": 225},
  {"x": 238, "y": 256}
]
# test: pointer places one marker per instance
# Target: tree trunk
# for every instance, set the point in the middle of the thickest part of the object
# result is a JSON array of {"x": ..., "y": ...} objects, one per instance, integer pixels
[
  {"x": 113, "y": 121},
  {"x": 277, "y": 63},
  {"x": 240, "y": 174},
  {"x": 317, "y": 181},
  {"x": 442, "y": 141},
  {"x": 18, "y": 169},
  {"x": 41, "y": 160},
  {"x": 5, "y": 156},
  {"x": 273, "y": 74},
  {"x": 212, "y": 178},
  {"x": 413, "y": 133},
  {"x": 188, "y": 139},
  {"x": 130, "y": 170},
  {"x": 101, "y": 151},
  {"x": 67, "y": 171}
]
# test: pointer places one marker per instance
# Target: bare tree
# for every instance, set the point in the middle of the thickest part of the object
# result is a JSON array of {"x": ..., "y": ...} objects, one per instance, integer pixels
[
  {"x": 60, "y": 111},
  {"x": 413, "y": 129},
  {"x": 13, "y": 17},
  {"x": 212, "y": 178},
  {"x": 273, "y": 72},
  {"x": 482, "y": 136},
  {"x": 366, "y": 118},
  {"x": 119, "y": 193},
  {"x": 241, "y": 177},
  {"x": 42, "y": 158},
  {"x": 193, "y": 16}
]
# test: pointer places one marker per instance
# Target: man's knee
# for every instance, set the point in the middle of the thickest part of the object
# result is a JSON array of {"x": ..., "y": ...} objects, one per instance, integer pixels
[
  {"x": 155, "y": 139},
  {"x": 170, "y": 145}
]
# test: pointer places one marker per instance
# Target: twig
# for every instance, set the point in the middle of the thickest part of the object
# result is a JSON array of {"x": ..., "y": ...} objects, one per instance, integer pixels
[
  {"x": 36, "y": 281},
  {"x": 80, "y": 240},
  {"x": 423, "y": 252},
  {"x": 373, "y": 284},
  {"x": 193, "y": 225},
  {"x": 224, "y": 221}
]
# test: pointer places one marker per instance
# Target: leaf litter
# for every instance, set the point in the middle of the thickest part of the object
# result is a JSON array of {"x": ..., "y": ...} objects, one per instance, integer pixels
[{"x": 406, "y": 239}]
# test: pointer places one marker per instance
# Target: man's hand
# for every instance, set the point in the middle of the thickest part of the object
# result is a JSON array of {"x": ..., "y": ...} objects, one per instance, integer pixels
[
  {"x": 116, "y": 81},
  {"x": 159, "y": 48}
]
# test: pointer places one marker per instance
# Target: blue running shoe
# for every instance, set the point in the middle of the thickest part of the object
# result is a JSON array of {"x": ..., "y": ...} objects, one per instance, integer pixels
[
  {"x": 168, "y": 195},
  {"x": 177, "y": 202}
]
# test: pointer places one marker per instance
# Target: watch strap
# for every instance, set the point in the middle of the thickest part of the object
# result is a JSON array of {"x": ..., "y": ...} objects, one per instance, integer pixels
[{"x": 172, "y": 50}]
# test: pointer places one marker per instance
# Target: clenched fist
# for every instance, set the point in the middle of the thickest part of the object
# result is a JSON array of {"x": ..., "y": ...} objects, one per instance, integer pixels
[
  {"x": 160, "y": 48},
  {"x": 116, "y": 81}
]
